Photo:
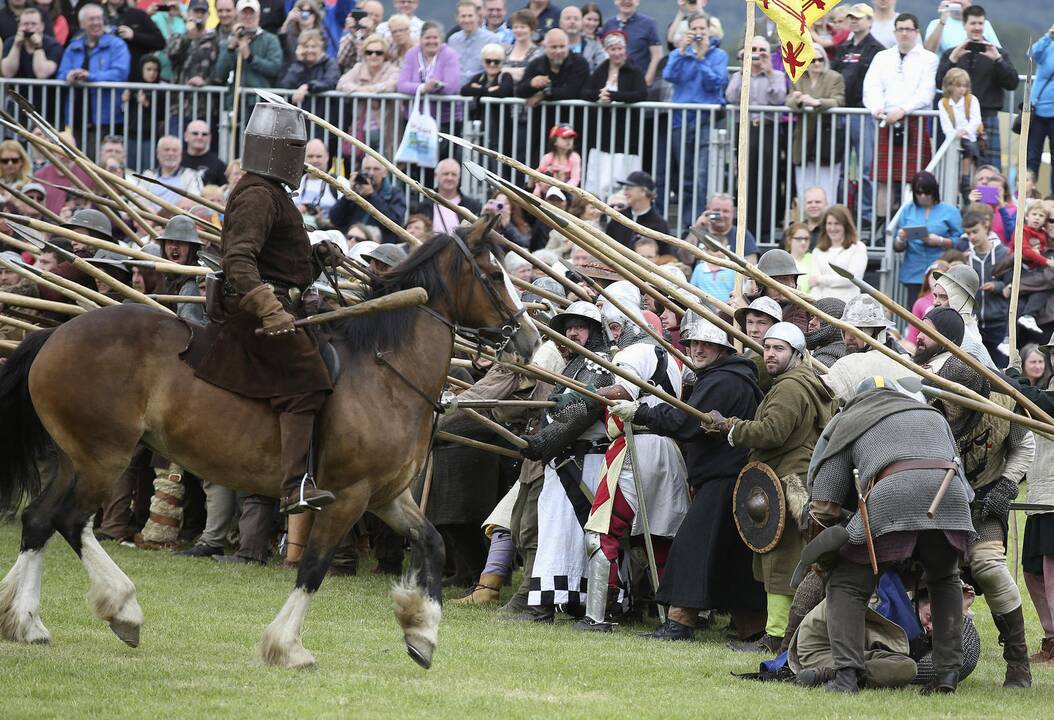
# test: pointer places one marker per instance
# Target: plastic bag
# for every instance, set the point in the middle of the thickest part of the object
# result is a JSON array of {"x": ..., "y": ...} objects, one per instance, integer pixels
[{"x": 420, "y": 143}]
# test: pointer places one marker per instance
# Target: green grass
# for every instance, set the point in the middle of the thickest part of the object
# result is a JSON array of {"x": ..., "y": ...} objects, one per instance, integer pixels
[{"x": 203, "y": 621}]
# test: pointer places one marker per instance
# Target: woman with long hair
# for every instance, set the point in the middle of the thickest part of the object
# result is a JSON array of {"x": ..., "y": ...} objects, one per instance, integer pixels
[
  {"x": 838, "y": 245},
  {"x": 15, "y": 167},
  {"x": 592, "y": 21},
  {"x": 523, "y": 50},
  {"x": 304, "y": 15}
]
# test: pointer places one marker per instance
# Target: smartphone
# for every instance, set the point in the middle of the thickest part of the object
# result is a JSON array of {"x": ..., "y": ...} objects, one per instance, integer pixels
[
  {"x": 916, "y": 232},
  {"x": 955, "y": 10},
  {"x": 989, "y": 195},
  {"x": 976, "y": 47}
]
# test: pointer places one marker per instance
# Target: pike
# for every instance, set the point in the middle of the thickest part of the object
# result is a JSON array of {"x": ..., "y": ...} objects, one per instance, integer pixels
[
  {"x": 497, "y": 428},
  {"x": 871, "y": 342},
  {"x": 20, "y": 324},
  {"x": 194, "y": 197},
  {"x": 39, "y": 207},
  {"x": 597, "y": 242},
  {"x": 87, "y": 166},
  {"x": 549, "y": 215},
  {"x": 363, "y": 203},
  {"x": 488, "y": 404},
  {"x": 996, "y": 379},
  {"x": 627, "y": 376},
  {"x": 31, "y": 276},
  {"x": 916, "y": 385},
  {"x": 642, "y": 507},
  {"x": 588, "y": 198},
  {"x": 476, "y": 444},
  {"x": 395, "y": 301},
  {"x": 540, "y": 292},
  {"x": 33, "y": 303},
  {"x": 1019, "y": 229},
  {"x": 134, "y": 253}
]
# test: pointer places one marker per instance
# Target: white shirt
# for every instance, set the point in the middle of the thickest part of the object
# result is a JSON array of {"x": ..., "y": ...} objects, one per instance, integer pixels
[
  {"x": 908, "y": 82},
  {"x": 641, "y": 360},
  {"x": 883, "y": 31},
  {"x": 959, "y": 120},
  {"x": 415, "y": 30},
  {"x": 824, "y": 282}
]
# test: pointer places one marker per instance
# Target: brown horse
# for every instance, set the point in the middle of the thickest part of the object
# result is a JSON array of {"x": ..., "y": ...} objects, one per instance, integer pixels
[{"x": 112, "y": 378}]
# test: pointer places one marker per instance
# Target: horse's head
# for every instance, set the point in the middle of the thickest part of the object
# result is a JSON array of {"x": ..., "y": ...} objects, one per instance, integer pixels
[{"x": 483, "y": 296}]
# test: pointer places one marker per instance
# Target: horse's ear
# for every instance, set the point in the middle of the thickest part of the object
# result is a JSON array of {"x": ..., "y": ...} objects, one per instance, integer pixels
[{"x": 475, "y": 235}]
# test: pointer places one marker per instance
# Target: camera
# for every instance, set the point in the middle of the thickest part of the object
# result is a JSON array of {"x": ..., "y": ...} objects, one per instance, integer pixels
[
  {"x": 245, "y": 32},
  {"x": 755, "y": 56},
  {"x": 698, "y": 38},
  {"x": 311, "y": 209},
  {"x": 713, "y": 215},
  {"x": 361, "y": 178}
]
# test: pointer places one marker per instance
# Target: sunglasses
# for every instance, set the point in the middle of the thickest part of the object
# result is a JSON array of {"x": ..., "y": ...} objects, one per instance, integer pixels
[
  {"x": 801, "y": 237},
  {"x": 492, "y": 61},
  {"x": 375, "y": 53},
  {"x": 10, "y": 161}
]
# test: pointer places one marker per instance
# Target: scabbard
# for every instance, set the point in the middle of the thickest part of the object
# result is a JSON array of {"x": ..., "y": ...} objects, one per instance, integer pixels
[{"x": 867, "y": 536}]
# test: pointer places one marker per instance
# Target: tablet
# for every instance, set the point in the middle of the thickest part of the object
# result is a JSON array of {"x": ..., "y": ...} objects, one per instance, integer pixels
[{"x": 916, "y": 232}]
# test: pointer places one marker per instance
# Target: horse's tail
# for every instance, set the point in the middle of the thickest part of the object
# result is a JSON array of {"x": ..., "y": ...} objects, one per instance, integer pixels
[{"x": 22, "y": 436}]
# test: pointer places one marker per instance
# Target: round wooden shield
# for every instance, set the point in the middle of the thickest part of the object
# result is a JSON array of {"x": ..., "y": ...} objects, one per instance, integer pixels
[{"x": 759, "y": 507}]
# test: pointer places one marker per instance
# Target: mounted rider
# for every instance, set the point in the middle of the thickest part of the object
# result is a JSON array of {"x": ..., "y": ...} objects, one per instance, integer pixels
[{"x": 268, "y": 264}]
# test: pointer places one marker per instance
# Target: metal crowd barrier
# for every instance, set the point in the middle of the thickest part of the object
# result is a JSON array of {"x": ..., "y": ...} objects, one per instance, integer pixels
[{"x": 690, "y": 150}]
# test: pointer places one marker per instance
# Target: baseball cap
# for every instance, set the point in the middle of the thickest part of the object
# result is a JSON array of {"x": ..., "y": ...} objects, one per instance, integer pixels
[
  {"x": 638, "y": 178},
  {"x": 562, "y": 131},
  {"x": 198, "y": 5},
  {"x": 35, "y": 187},
  {"x": 861, "y": 10},
  {"x": 555, "y": 192},
  {"x": 253, "y": 5}
]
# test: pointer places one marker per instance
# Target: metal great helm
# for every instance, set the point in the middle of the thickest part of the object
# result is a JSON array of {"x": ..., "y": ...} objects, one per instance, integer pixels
[{"x": 275, "y": 143}]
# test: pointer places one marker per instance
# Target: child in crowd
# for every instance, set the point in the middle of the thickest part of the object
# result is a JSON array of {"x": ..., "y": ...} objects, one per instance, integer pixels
[
  {"x": 988, "y": 257},
  {"x": 561, "y": 162},
  {"x": 831, "y": 30},
  {"x": 960, "y": 114},
  {"x": 1037, "y": 256}
]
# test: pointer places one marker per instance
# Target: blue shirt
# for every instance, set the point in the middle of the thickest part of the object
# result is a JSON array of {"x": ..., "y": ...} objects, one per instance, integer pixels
[
  {"x": 505, "y": 36},
  {"x": 718, "y": 283},
  {"x": 1043, "y": 85},
  {"x": 641, "y": 33},
  {"x": 469, "y": 49},
  {"x": 944, "y": 220},
  {"x": 696, "y": 80}
]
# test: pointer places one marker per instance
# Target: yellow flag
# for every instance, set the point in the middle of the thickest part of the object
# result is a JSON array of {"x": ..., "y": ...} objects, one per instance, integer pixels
[{"x": 793, "y": 19}]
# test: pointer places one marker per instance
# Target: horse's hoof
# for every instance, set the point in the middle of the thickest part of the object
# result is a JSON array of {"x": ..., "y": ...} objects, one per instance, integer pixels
[
  {"x": 421, "y": 651},
  {"x": 127, "y": 632}
]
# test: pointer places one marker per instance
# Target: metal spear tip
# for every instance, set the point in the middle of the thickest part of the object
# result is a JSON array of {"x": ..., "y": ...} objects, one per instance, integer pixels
[
  {"x": 844, "y": 273},
  {"x": 477, "y": 171},
  {"x": 456, "y": 140},
  {"x": 271, "y": 97},
  {"x": 33, "y": 237}
]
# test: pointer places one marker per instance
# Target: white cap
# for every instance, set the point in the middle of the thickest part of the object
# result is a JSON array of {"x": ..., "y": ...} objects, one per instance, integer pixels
[
  {"x": 253, "y": 5},
  {"x": 556, "y": 192}
]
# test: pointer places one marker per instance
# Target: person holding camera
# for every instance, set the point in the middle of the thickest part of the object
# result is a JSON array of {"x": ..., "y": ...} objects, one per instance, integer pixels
[
  {"x": 373, "y": 184},
  {"x": 261, "y": 53},
  {"x": 29, "y": 53},
  {"x": 991, "y": 75},
  {"x": 948, "y": 29},
  {"x": 305, "y": 15},
  {"x": 193, "y": 52},
  {"x": 136, "y": 28}
]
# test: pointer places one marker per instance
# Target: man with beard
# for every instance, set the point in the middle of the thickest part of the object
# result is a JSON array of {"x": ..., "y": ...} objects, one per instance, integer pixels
[
  {"x": 782, "y": 435},
  {"x": 861, "y": 361},
  {"x": 995, "y": 455},
  {"x": 958, "y": 290},
  {"x": 822, "y": 338},
  {"x": 656, "y": 466},
  {"x": 929, "y": 355},
  {"x": 893, "y": 452},
  {"x": 571, "y": 444},
  {"x": 708, "y": 564}
]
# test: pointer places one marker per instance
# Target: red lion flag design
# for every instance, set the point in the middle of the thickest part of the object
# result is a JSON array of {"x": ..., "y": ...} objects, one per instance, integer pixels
[{"x": 793, "y": 19}]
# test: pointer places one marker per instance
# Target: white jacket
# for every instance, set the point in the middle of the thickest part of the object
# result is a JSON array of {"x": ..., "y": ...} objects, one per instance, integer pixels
[
  {"x": 825, "y": 283},
  {"x": 908, "y": 82}
]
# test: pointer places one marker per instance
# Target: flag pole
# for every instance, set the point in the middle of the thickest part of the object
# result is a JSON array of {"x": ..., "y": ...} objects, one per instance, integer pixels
[
  {"x": 1013, "y": 356},
  {"x": 743, "y": 151}
]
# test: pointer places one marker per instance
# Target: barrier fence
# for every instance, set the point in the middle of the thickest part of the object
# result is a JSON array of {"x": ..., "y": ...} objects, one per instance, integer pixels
[{"x": 690, "y": 150}]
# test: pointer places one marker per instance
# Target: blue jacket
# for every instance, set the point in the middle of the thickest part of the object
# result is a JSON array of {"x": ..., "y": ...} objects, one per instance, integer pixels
[
  {"x": 110, "y": 61},
  {"x": 1043, "y": 85},
  {"x": 944, "y": 220},
  {"x": 695, "y": 80}
]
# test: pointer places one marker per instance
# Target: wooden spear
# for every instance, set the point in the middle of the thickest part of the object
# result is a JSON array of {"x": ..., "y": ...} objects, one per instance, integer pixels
[
  {"x": 497, "y": 428},
  {"x": 743, "y": 152},
  {"x": 30, "y": 275},
  {"x": 916, "y": 385},
  {"x": 540, "y": 292},
  {"x": 20, "y": 324},
  {"x": 7, "y": 298},
  {"x": 39, "y": 207},
  {"x": 363, "y": 203},
  {"x": 1019, "y": 229},
  {"x": 627, "y": 376},
  {"x": 476, "y": 444},
  {"x": 994, "y": 378},
  {"x": 880, "y": 347},
  {"x": 193, "y": 197}
]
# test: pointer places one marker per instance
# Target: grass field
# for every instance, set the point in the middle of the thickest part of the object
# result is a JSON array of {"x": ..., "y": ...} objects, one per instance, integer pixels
[{"x": 203, "y": 621}]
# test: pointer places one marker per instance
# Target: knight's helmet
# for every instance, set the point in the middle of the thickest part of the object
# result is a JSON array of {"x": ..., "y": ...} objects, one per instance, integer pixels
[{"x": 275, "y": 143}]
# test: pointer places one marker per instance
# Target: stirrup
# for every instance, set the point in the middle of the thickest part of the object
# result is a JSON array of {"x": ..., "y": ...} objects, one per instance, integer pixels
[{"x": 302, "y": 503}]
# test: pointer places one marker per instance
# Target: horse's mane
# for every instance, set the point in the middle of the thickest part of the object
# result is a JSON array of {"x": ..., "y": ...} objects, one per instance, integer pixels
[{"x": 386, "y": 330}]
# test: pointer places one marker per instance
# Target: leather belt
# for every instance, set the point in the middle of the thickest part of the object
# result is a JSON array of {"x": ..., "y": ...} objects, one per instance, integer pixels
[{"x": 915, "y": 464}]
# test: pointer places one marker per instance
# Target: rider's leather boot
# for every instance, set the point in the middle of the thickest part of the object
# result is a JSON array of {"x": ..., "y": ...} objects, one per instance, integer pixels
[{"x": 298, "y": 492}]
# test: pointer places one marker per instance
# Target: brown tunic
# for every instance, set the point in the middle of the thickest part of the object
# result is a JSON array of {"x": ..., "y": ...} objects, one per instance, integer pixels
[{"x": 263, "y": 240}]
